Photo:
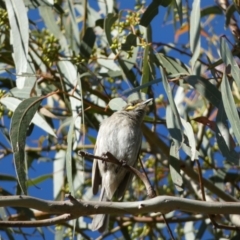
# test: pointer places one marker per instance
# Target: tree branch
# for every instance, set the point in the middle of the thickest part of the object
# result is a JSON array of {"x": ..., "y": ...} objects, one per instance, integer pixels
[
  {"x": 110, "y": 158},
  {"x": 71, "y": 210}
]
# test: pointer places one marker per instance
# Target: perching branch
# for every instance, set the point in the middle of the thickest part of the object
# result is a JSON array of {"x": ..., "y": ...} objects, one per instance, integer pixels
[
  {"x": 110, "y": 158},
  {"x": 76, "y": 209}
]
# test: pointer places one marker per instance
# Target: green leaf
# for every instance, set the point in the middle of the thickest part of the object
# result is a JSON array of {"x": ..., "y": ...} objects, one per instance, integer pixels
[
  {"x": 109, "y": 21},
  {"x": 4, "y": 177},
  {"x": 136, "y": 96},
  {"x": 191, "y": 138},
  {"x": 58, "y": 176},
  {"x": 230, "y": 107},
  {"x": 19, "y": 125},
  {"x": 37, "y": 180},
  {"x": 229, "y": 13},
  {"x": 229, "y": 60},
  {"x": 87, "y": 43},
  {"x": 131, "y": 40},
  {"x": 205, "y": 88},
  {"x": 19, "y": 29},
  {"x": 195, "y": 32},
  {"x": 73, "y": 25},
  {"x": 125, "y": 63},
  {"x": 215, "y": 64},
  {"x": 146, "y": 71},
  {"x": 12, "y": 104},
  {"x": 108, "y": 66},
  {"x": 172, "y": 126},
  {"x": 69, "y": 156},
  {"x": 51, "y": 24},
  {"x": 174, "y": 166},
  {"x": 21, "y": 93},
  {"x": 173, "y": 66},
  {"x": 137, "y": 89},
  {"x": 176, "y": 135},
  {"x": 211, "y": 10},
  {"x": 224, "y": 138},
  {"x": 178, "y": 4},
  {"x": 168, "y": 90},
  {"x": 152, "y": 11},
  {"x": 117, "y": 104}
]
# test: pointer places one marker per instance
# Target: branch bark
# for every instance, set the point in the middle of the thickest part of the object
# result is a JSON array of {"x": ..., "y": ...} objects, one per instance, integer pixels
[{"x": 70, "y": 210}]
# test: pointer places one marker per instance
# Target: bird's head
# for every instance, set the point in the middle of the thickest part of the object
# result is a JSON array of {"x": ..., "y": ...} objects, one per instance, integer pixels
[{"x": 137, "y": 107}]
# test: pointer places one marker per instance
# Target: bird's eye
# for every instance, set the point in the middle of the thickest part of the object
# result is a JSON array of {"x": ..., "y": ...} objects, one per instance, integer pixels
[{"x": 130, "y": 107}]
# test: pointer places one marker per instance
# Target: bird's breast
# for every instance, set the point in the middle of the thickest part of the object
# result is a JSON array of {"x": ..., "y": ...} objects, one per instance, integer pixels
[{"x": 122, "y": 139}]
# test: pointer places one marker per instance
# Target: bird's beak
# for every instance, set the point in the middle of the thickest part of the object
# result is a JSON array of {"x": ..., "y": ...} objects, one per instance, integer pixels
[{"x": 148, "y": 101}]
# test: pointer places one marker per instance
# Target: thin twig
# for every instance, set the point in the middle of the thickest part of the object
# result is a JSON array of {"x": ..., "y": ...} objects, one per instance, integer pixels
[
  {"x": 168, "y": 228},
  {"x": 215, "y": 224},
  {"x": 201, "y": 180},
  {"x": 108, "y": 157},
  {"x": 38, "y": 223}
]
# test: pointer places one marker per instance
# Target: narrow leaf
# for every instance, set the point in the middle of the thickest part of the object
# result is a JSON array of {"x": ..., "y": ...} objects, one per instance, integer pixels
[
  {"x": 136, "y": 89},
  {"x": 51, "y": 24},
  {"x": 229, "y": 13},
  {"x": 37, "y": 180},
  {"x": 12, "y": 103},
  {"x": 174, "y": 166},
  {"x": 173, "y": 66},
  {"x": 229, "y": 60},
  {"x": 58, "y": 177},
  {"x": 168, "y": 91},
  {"x": 146, "y": 71},
  {"x": 230, "y": 107},
  {"x": 211, "y": 10},
  {"x": 178, "y": 4},
  {"x": 19, "y": 125},
  {"x": 19, "y": 35},
  {"x": 191, "y": 138},
  {"x": 172, "y": 127},
  {"x": 69, "y": 156},
  {"x": 205, "y": 88},
  {"x": 195, "y": 32},
  {"x": 117, "y": 104},
  {"x": 152, "y": 11}
]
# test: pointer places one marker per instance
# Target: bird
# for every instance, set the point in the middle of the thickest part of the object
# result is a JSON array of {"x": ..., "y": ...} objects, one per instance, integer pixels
[{"x": 121, "y": 135}]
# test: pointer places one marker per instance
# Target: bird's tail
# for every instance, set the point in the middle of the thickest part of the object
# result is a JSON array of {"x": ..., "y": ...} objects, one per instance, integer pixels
[{"x": 100, "y": 221}]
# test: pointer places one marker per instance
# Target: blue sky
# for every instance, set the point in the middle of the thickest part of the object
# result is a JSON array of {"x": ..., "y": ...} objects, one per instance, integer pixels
[{"x": 162, "y": 32}]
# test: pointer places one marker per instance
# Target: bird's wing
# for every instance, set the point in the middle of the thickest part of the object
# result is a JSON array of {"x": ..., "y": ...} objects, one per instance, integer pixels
[
  {"x": 127, "y": 179},
  {"x": 123, "y": 186},
  {"x": 96, "y": 177}
]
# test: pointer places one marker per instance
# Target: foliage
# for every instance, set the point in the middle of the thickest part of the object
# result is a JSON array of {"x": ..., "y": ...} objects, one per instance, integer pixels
[{"x": 61, "y": 64}]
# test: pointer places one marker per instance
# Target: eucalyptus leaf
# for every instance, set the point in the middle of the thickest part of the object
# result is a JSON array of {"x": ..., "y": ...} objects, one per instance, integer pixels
[
  {"x": 19, "y": 26},
  {"x": 191, "y": 138},
  {"x": 195, "y": 32},
  {"x": 69, "y": 156},
  {"x": 146, "y": 71},
  {"x": 117, "y": 104},
  {"x": 174, "y": 165},
  {"x": 12, "y": 103},
  {"x": 19, "y": 125},
  {"x": 229, "y": 61},
  {"x": 173, "y": 66},
  {"x": 230, "y": 107},
  {"x": 136, "y": 96},
  {"x": 205, "y": 88},
  {"x": 168, "y": 90}
]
